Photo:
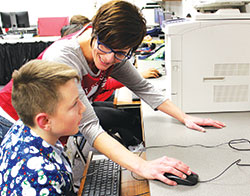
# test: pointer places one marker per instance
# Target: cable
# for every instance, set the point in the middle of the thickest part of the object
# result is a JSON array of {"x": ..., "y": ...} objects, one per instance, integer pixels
[
  {"x": 182, "y": 146},
  {"x": 209, "y": 180},
  {"x": 142, "y": 193},
  {"x": 238, "y": 141},
  {"x": 231, "y": 144},
  {"x": 138, "y": 179}
]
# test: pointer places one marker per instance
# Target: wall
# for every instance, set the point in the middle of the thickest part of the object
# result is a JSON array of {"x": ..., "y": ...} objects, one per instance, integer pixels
[
  {"x": 180, "y": 8},
  {"x": 55, "y": 8},
  {"x": 50, "y": 8}
]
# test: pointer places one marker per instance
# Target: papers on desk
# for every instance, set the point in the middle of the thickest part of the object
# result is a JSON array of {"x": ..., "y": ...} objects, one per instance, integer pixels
[
  {"x": 125, "y": 95},
  {"x": 124, "y": 99}
]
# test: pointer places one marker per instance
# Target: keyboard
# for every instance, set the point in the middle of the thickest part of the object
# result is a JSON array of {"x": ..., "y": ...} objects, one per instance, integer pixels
[{"x": 103, "y": 178}]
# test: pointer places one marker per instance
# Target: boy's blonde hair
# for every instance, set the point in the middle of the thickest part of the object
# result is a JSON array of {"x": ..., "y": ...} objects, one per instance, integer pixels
[{"x": 35, "y": 88}]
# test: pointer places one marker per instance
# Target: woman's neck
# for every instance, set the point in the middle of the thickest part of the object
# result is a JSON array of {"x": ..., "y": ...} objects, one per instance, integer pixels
[{"x": 84, "y": 40}]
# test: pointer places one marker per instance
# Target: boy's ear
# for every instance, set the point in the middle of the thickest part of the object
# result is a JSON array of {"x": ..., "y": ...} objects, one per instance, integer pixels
[{"x": 42, "y": 121}]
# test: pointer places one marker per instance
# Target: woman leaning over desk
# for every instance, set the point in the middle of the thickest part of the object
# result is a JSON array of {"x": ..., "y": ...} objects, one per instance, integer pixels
[{"x": 101, "y": 50}]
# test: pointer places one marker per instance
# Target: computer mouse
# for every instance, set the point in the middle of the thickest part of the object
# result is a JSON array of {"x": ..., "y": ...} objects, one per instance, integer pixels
[
  {"x": 191, "y": 179},
  {"x": 159, "y": 75}
]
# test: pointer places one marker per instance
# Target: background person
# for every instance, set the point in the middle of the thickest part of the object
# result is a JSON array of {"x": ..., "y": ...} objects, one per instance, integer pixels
[{"x": 76, "y": 23}]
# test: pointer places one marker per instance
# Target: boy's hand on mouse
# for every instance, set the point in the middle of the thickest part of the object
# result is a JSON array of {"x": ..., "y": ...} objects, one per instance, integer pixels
[
  {"x": 155, "y": 169},
  {"x": 196, "y": 123}
]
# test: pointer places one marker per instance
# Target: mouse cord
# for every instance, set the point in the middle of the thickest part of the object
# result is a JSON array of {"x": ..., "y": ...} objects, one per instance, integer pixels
[
  {"x": 238, "y": 141},
  {"x": 143, "y": 193},
  {"x": 231, "y": 144},
  {"x": 209, "y": 180},
  {"x": 181, "y": 146}
]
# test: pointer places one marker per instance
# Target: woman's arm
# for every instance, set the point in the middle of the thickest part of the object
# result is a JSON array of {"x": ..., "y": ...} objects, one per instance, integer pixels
[
  {"x": 148, "y": 169},
  {"x": 191, "y": 122}
]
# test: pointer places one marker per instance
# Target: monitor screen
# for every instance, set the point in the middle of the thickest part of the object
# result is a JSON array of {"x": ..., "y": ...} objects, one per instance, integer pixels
[
  {"x": 6, "y": 20},
  {"x": 161, "y": 17},
  {"x": 22, "y": 19},
  {"x": 156, "y": 15}
]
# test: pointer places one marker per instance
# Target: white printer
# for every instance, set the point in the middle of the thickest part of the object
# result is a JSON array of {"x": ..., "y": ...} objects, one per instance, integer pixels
[{"x": 208, "y": 61}]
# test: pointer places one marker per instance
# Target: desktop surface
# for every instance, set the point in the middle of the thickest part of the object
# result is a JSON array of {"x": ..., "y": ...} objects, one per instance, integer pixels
[
  {"x": 161, "y": 129},
  {"x": 129, "y": 186},
  {"x": 206, "y": 162},
  {"x": 27, "y": 38}
]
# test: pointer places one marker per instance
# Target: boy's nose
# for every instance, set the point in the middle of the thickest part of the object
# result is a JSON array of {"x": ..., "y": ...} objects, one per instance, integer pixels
[{"x": 82, "y": 107}]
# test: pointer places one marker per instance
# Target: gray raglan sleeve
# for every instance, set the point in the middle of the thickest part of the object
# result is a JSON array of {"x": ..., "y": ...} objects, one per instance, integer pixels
[
  {"x": 89, "y": 125},
  {"x": 127, "y": 74}
]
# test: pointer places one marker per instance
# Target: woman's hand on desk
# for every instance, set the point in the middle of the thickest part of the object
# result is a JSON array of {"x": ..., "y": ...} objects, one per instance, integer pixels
[
  {"x": 196, "y": 123},
  {"x": 150, "y": 73},
  {"x": 155, "y": 169},
  {"x": 190, "y": 121}
]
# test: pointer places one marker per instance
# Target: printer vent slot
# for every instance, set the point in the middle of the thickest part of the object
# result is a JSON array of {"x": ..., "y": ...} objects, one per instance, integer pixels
[
  {"x": 230, "y": 93},
  {"x": 231, "y": 69}
]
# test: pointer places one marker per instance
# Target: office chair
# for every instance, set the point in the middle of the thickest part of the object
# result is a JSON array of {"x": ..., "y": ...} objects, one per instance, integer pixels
[
  {"x": 1, "y": 33},
  {"x": 80, "y": 141}
]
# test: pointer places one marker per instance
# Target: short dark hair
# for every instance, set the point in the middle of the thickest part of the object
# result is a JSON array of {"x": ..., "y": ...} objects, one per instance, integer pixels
[
  {"x": 119, "y": 24},
  {"x": 69, "y": 29},
  {"x": 79, "y": 19}
]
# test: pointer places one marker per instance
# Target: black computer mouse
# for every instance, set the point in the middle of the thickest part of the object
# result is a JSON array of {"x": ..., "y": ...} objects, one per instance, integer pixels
[
  {"x": 191, "y": 179},
  {"x": 159, "y": 75}
]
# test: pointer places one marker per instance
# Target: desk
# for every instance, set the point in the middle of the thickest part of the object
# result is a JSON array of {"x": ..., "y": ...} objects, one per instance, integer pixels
[
  {"x": 160, "y": 129},
  {"x": 16, "y": 52},
  {"x": 207, "y": 163},
  {"x": 129, "y": 186},
  {"x": 12, "y": 39},
  {"x": 123, "y": 99}
]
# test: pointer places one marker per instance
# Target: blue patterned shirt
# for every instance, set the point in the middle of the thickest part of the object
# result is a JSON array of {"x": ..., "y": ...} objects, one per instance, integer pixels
[{"x": 31, "y": 166}]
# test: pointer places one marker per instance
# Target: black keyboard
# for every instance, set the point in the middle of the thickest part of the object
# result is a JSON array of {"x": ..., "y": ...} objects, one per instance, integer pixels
[{"x": 103, "y": 178}]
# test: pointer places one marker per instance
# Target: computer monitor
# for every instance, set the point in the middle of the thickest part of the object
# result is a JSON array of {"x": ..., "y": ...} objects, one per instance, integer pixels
[
  {"x": 161, "y": 17},
  {"x": 22, "y": 19},
  {"x": 15, "y": 20},
  {"x": 6, "y": 19},
  {"x": 156, "y": 15}
]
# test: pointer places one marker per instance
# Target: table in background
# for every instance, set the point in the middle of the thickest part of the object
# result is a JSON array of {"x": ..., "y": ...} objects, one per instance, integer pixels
[
  {"x": 124, "y": 99},
  {"x": 16, "y": 52}
]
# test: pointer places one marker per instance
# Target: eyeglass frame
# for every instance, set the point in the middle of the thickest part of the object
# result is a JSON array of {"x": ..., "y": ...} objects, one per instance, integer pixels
[{"x": 126, "y": 56}]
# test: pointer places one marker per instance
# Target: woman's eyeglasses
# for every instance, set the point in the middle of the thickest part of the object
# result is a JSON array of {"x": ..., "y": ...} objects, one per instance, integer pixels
[{"x": 121, "y": 56}]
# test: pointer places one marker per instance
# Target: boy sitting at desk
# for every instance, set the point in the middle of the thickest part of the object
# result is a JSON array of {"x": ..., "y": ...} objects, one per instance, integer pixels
[{"x": 46, "y": 98}]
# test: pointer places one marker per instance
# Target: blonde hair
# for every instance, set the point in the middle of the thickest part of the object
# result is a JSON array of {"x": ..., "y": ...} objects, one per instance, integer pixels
[{"x": 35, "y": 88}]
